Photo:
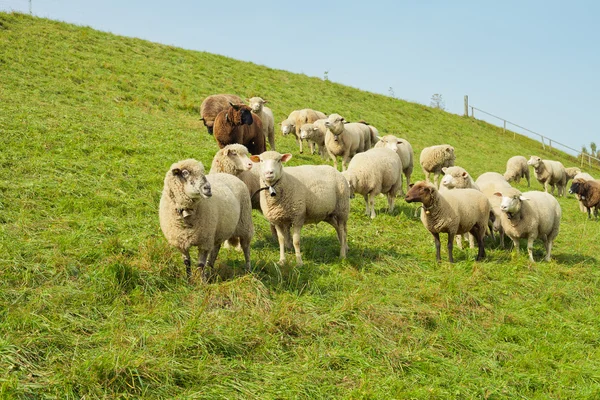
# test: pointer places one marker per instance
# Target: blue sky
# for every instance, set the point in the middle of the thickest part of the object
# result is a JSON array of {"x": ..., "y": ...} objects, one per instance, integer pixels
[{"x": 534, "y": 63}]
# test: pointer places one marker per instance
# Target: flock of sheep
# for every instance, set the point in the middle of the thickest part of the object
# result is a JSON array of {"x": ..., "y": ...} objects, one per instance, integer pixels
[{"x": 207, "y": 210}]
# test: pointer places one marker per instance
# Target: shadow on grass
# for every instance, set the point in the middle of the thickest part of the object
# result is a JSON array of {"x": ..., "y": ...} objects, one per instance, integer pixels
[{"x": 574, "y": 259}]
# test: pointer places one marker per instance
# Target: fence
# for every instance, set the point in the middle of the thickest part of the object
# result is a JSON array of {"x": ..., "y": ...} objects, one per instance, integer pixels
[{"x": 542, "y": 137}]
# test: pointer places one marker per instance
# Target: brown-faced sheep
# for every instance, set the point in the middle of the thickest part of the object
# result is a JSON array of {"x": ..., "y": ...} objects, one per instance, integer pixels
[
  {"x": 586, "y": 177},
  {"x": 549, "y": 173},
  {"x": 236, "y": 125},
  {"x": 213, "y": 105},
  {"x": 517, "y": 168},
  {"x": 434, "y": 158},
  {"x": 589, "y": 194}
]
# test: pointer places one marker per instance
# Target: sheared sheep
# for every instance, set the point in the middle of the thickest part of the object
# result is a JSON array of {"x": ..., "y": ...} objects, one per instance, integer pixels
[
  {"x": 404, "y": 150},
  {"x": 300, "y": 195},
  {"x": 373, "y": 172},
  {"x": 346, "y": 139},
  {"x": 233, "y": 159},
  {"x": 549, "y": 173},
  {"x": 315, "y": 132},
  {"x": 204, "y": 211},
  {"x": 434, "y": 158},
  {"x": 452, "y": 212},
  {"x": 530, "y": 215},
  {"x": 265, "y": 114},
  {"x": 236, "y": 125},
  {"x": 589, "y": 194},
  {"x": 490, "y": 183},
  {"x": 213, "y": 105},
  {"x": 516, "y": 168}
]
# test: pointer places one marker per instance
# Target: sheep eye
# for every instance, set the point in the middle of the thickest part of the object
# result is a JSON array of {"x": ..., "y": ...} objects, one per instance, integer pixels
[{"x": 185, "y": 173}]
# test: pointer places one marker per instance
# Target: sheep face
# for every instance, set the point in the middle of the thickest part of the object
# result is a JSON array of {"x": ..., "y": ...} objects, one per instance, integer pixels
[
  {"x": 390, "y": 141},
  {"x": 271, "y": 165},
  {"x": 256, "y": 104},
  {"x": 420, "y": 192},
  {"x": 511, "y": 203},
  {"x": 286, "y": 127},
  {"x": 238, "y": 155},
  {"x": 192, "y": 180},
  {"x": 242, "y": 114},
  {"x": 576, "y": 187},
  {"x": 455, "y": 177},
  {"x": 307, "y": 131},
  {"x": 534, "y": 161},
  {"x": 335, "y": 123}
]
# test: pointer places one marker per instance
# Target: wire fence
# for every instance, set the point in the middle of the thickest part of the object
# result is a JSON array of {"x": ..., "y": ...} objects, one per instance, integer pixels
[{"x": 546, "y": 141}]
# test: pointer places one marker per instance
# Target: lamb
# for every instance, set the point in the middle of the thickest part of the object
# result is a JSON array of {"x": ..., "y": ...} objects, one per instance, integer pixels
[
  {"x": 265, "y": 114},
  {"x": 300, "y": 195},
  {"x": 305, "y": 116},
  {"x": 213, "y": 105},
  {"x": 204, "y": 211},
  {"x": 373, "y": 172},
  {"x": 346, "y": 139},
  {"x": 588, "y": 193},
  {"x": 236, "y": 125},
  {"x": 315, "y": 133},
  {"x": 434, "y": 158},
  {"x": 404, "y": 150},
  {"x": 530, "y": 215},
  {"x": 490, "y": 183},
  {"x": 571, "y": 172},
  {"x": 549, "y": 173},
  {"x": 516, "y": 168},
  {"x": 452, "y": 212}
]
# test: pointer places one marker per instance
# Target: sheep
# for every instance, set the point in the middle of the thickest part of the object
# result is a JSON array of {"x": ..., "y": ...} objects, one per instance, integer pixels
[
  {"x": 516, "y": 168},
  {"x": 301, "y": 117},
  {"x": 236, "y": 125},
  {"x": 233, "y": 159},
  {"x": 404, "y": 150},
  {"x": 530, "y": 215},
  {"x": 571, "y": 172},
  {"x": 204, "y": 210},
  {"x": 490, "y": 183},
  {"x": 265, "y": 114},
  {"x": 549, "y": 173},
  {"x": 346, "y": 139},
  {"x": 300, "y": 195},
  {"x": 588, "y": 193},
  {"x": 315, "y": 133},
  {"x": 456, "y": 177},
  {"x": 452, "y": 212},
  {"x": 434, "y": 158},
  {"x": 373, "y": 172},
  {"x": 213, "y": 105},
  {"x": 587, "y": 177}
]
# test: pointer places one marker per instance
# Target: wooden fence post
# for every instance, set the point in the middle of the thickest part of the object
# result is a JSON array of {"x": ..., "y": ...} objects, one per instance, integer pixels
[{"x": 466, "y": 105}]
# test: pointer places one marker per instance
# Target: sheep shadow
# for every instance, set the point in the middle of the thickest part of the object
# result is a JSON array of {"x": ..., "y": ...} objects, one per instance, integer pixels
[{"x": 574, "y": 259}]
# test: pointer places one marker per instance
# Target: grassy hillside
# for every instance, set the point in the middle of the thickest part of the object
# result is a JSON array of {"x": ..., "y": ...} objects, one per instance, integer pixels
[{"x": 95, "y": 304}]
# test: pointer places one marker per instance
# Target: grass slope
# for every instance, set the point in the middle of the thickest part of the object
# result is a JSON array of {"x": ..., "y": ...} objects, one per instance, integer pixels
[{"x": 95, "y": 304}]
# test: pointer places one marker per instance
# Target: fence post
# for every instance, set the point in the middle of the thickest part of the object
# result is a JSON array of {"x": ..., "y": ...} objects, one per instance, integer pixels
[
  {"x": 550, "y": 145},
  {"x": 543, "y": 144},
  {"x": 466, "y": 105},
  {"x": 472, "y": 112}
]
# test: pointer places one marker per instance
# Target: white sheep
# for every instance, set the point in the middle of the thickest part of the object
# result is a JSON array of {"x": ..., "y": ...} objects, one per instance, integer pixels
[
  {"x": 434, "y": 158},
  {"x": 296, "y": 119},
  {"x": 517, "y": 168},
  {"x": 530, "y": 215},
  {"x": 404, "y": 150},
  {"x": 489, "y": 183},
  {"x": 315, "y": 132},
  {"x": 265, "y": 114},
  {"x": 295, "y": 196},
  {"x": 373, "y": 172},
  {"x": 571, "y": 172},
  {"x": 452, "y": 212},
  {"x": 549, "y": 173},
  {"x": 204, "y": 211},
  {"x": 346, "y": 139}
]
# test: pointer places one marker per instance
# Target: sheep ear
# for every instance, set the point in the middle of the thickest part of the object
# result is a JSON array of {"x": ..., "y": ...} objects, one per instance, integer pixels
[
  {"x": 226, "y": 117},
  {"x": 444, "y": 169},
  {"x": 254, "y": 158},
  {"x": 498, "y": 194},
  {"x": 226, "y": 152},
  {"x": 265, "y": 101},
  {"x": 411, "y": 185},
  {"x": 286, "y": 157},
  {"x": 379, "y": 137},
  {"x": 465, "y": 174},
  {"x": 523, "y": 198},
  {"x": 176, "y": 171}
]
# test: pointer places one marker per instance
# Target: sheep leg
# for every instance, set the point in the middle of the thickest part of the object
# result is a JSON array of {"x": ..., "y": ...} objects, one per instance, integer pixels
[
  {"x": 334, "y": 159},
  {"x": 530, "y": 240},
  {"x": 281, "y": 239},
  {"x": 426, "y": 175},
  {"x": 245, "y": 243},
  {"x": 340, "y": 228},
  {"x": 312, "y": 147},
  {"x": 459, "y": 242},
  {"x": 480, "y": 234},
  {"x": 471, "y": 241},
  {"x": 296, "y": 241},
  {"x": 450, "y": 247},
  {"x": 202, "y": 256},
  {"x": 188, "y": 263},
  {"x": 548, "y": 248},
  {"x": 390, "y": 198},
  {"x": 300, "y": 144},
  {"x": 438, "y": 256},
  {"x": 272, "y": 139},
  {"x": 516, "y": 245}
]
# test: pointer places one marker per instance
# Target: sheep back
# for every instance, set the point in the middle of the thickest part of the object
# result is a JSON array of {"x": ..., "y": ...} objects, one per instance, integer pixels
[
  {"x": 375, "y": 171},
  {"x": 213, "y": 105},
  {"x": 236, "y": 125}
]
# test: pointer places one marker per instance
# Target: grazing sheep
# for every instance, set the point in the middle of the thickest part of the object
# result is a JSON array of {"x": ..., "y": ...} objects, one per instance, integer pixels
[
  {"x": 434, "y": 158},
  {"x": 265, "y": 114},
  {"x": 204, "y": 211},
  {"x": 233, "y": 159},
  {"x": 490, "y": 183},
  {"x": 300, "y": 195},
  {"x": 571, "y": 172},
  {"x": 373, "y": 172},
  {"x": 315, "y": 133},
  {"x": 236, "y": 125},
  {"x": 346, "y": 139},
  {"x": 213, "y": 105},
  {"x": 404, "y": 150},
  {"x": 549, "y": 173},
  {"x": 530, "y": 215},
  {"x": 588, "y": 193},
  {"x": 452, "y": 212},
  {"x": 516, "y": 168},
  {"x": 586, "y": 177}
]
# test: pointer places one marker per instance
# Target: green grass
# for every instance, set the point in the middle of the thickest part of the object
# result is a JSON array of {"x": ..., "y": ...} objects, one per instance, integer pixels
[{"x": 95, "y": 304}]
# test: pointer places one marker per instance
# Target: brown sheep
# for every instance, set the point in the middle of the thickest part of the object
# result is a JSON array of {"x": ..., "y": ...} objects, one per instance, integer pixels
[
  {"x": 236, "y": 125},
  {"x": 213, "y": 105},
  {"x": 589, "y": 194}
]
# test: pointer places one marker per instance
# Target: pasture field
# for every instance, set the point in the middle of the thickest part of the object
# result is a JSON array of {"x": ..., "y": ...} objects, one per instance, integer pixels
[{"x": 95, "y": 304}]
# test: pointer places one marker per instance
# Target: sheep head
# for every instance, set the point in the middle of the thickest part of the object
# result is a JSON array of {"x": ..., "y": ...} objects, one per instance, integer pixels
[
  {"x": 239, "y": 114},
  {"x": 188, "y": 176},
  {"x": 335, "y": 123},
  {"x": 256, "y": 104},
  {"x": 271, "y": 165},
  {"x": 238, "y": 155},
  {"x": 421, "y": 192},
  {"x": 511, "y": 202},
  {"x": 534, "y": 161}
]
